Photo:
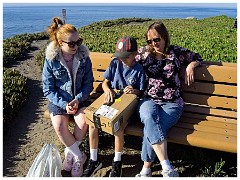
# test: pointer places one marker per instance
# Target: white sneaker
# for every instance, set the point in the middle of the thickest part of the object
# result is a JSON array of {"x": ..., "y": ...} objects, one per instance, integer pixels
[
  {"x": 77, "y": 167},
  {"x": 68, "y": 161},
  {"x": 144, "y": 175},
  {"x": 170, "y": 173}
]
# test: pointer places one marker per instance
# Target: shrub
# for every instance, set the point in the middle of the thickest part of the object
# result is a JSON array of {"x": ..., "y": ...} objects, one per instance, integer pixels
[{"x": 14, "y": 93}]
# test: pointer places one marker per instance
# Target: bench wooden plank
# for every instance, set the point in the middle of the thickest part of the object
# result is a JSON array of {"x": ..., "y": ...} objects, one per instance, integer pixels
[
  {"x": 210, "y": 118},
  {"x": 220, "y": 63},
  {"x": 226, "y": 74},
  {"x": 203, "y": 139},
  {"x": 210, "y": 88},
  {"x": 210, "y": 111},
  {"x": 206, "y": 128},
  {"x": 201, "y": 122},
  {"x": 98, "y": 76},
  {"x": 100, "y": 60},
  {"x": 211, "y": 100}
]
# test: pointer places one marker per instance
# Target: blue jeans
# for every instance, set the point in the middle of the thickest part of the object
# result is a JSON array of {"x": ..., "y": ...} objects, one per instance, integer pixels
[{"x": 157, "y": 120}]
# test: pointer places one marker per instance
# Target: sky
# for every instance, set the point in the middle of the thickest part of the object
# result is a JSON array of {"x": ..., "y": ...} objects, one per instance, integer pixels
[{"x": 179, "y": 3}]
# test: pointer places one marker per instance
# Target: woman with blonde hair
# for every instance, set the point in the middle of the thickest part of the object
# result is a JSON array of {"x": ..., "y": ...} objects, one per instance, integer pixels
[{"x": 67, "y": 82}]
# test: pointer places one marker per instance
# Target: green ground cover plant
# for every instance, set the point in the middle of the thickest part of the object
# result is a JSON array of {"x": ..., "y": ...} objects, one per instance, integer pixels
[{"x": 214, "y": 38}]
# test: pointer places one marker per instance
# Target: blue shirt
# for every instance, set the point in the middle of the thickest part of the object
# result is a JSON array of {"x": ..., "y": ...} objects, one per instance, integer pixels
[{"x": 121, "y": 75}]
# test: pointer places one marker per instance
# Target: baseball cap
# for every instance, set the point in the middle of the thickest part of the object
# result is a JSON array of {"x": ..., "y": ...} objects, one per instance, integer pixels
[{"x": 125, "y": 47}]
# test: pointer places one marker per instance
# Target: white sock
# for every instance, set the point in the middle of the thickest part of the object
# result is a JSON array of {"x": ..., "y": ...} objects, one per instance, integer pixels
[
  {"x": 93, "y": 154},
  {"x": 117, "y": 156},
  {"x": 74, "y": 149},
  {"x": 166, "y": 164},
  {"x": 145, "y": 171},
  {"x": 66, "y": 150}
]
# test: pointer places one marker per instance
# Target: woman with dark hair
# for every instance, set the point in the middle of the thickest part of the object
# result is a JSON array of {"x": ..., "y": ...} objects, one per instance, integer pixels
[{"x": 162, "y": 104}]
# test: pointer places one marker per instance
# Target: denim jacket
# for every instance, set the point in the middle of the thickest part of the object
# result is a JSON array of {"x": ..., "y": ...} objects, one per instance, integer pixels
[{"x": 58, "y": 85}]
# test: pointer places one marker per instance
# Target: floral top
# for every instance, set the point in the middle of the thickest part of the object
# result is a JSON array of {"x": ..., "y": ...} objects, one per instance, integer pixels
[{"x": 163, "y": 83}]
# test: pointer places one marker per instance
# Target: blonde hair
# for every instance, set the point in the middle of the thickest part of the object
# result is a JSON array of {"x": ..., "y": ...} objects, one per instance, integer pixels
[{"x": 58, "y": 30}]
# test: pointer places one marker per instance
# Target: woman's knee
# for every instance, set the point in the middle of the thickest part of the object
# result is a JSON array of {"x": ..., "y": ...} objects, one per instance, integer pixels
[
  {"x": 147, "y": 109},
  {"x": 60, "y": 124}
]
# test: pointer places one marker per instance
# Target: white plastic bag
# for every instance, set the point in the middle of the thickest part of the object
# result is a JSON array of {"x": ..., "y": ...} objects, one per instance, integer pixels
[{"x": 48, "y": 163}]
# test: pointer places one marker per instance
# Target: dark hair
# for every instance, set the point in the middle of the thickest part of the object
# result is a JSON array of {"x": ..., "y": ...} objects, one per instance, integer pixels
[
  {"x": 58, "y": 30},
  {"x": 162, "y": 31}
]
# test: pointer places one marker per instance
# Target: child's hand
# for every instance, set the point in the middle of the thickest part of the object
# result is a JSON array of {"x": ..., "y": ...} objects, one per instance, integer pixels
[
  {"x": 128, "y": 90},
  {"x": 109, "y": 96}
]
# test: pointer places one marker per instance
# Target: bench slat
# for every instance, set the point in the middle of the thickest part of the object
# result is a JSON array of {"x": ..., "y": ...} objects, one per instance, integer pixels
[
  {"x": 100, "y": 60},
  {"x": 98, "y": 76},
  {"x": 210, "y": 111},
  {"x": 202, "y": 128},
  {"x": 213, "y": 101},
  {"x": 203, "y": 139},
  {"x": 224, "y": 74},
  {"x": 201, "y": 122},
  {"x": 210, "y": 118},
  {"x": 220, "y": 63},
  {"x": 210, "y": 88}
]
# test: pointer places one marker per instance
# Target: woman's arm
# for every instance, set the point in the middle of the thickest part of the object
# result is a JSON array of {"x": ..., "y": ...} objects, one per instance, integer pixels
[
  {"x": 49, "y": 90},
  {"x": 188, "y": 58},
  {"x": 87, "y": 85},
  {"x": 189, "y": 73}
]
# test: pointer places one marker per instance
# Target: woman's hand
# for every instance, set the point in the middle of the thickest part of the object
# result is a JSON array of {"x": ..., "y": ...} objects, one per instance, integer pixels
[
  {"x": 72, "y": 107},
  {"x": 189, "y": 73}
]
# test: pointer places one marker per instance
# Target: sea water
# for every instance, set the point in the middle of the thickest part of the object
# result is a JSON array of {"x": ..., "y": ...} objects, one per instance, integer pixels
[{"x": 32, "y": 18}]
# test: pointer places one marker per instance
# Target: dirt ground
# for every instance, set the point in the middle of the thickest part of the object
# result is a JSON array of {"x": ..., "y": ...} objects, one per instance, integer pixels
[{"x": 29, "y": 131}]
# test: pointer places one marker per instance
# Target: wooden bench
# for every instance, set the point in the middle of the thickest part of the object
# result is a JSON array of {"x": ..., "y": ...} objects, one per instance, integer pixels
[{"x": 210, "y": 116}]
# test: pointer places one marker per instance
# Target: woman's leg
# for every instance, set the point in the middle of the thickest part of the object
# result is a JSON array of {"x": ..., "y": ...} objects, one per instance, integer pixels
[
  {"x": 60, "y": 125},
  {"x": 147, "y": 111},
  {"x": 81, "y": 127},
  {"x": 169, "y": 114}
]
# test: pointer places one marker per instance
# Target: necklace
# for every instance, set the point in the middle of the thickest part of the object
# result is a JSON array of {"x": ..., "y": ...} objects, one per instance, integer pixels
[{"x": 161, "y": 53}]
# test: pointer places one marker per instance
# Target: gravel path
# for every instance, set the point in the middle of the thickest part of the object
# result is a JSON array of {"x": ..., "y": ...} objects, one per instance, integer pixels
[{"x": 29, "y": 131}]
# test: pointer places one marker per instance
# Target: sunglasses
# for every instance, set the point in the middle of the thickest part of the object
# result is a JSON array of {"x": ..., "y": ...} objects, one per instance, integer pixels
[
  {"x": 73, "y": 43},
  {"x": 153, "y": 40}
]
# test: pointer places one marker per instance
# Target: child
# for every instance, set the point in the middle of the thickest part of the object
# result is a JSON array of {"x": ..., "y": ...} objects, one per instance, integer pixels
[{"x": 124, "y": 73}]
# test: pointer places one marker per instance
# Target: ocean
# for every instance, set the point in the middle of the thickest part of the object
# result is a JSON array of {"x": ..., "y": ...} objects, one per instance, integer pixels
[{"x": 32, "y": 18}]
